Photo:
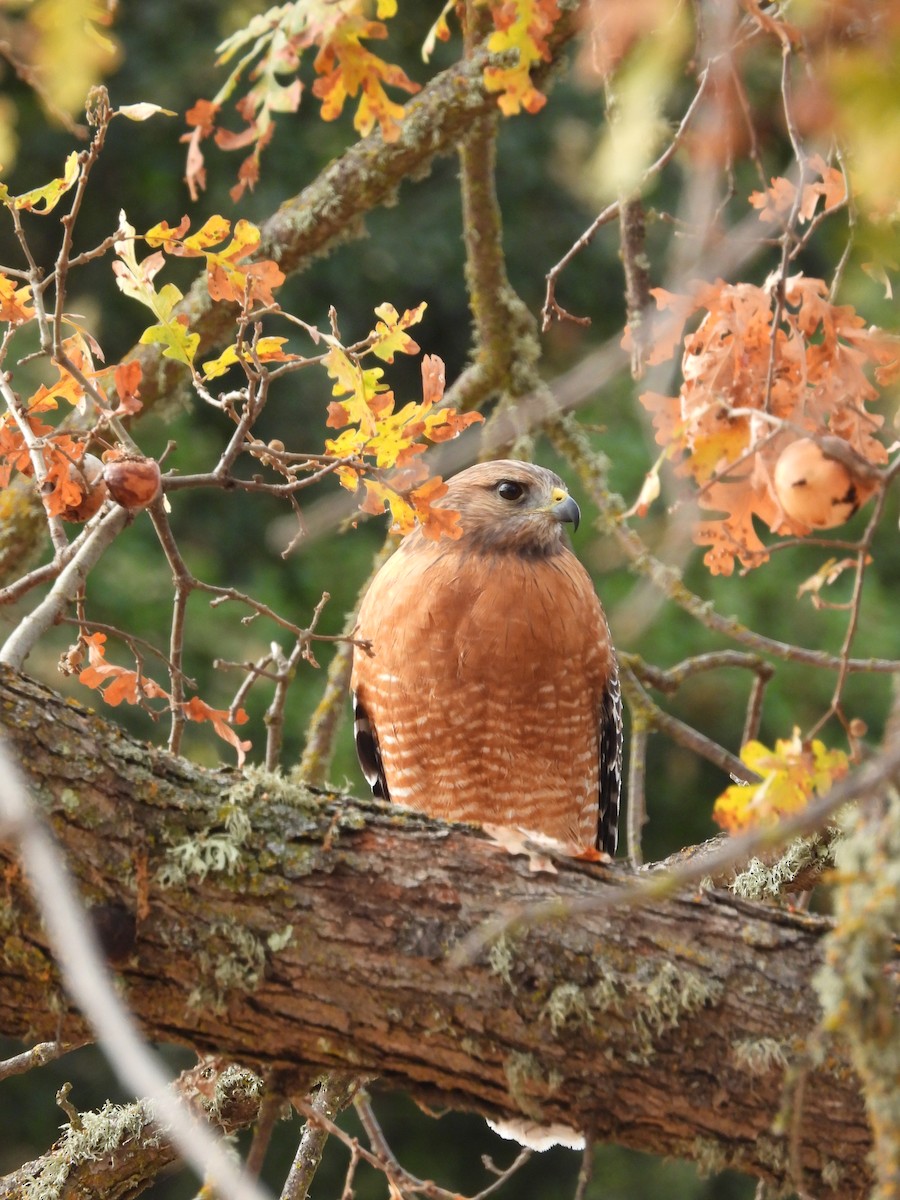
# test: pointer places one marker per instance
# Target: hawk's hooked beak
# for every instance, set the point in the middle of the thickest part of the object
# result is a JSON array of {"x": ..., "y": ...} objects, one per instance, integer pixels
[{"x": 564, "y": 509}]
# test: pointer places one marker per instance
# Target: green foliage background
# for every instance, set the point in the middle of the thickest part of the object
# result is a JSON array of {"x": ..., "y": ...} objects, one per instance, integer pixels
[{"x": 412, "y": 252}]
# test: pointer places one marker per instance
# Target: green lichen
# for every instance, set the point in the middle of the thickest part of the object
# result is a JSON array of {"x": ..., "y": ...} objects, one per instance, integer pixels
[
  {"x": 236, "y": 1086},
  {"x": 278, "y": 940},
  {"x": 521, "y": 1070},
  {"x": 566, "y": 1003},
  {"x": 855, "y": 985},
  {"x": 257, "y": 784},
  {"x": 653, "y": 1001},
  {"x": 773, "y": 1153},
  {"x": 197, "y": 856},
  {"x": 232, "y": 959},
  {"x": 99, "y": 1134},
  {"x": 501, "y": 960},
  {"x": 759, "y": 1056},
  {"x": 832, "y": 1174},
  {"x": 759, "y": 881},
  {"x": 208, "y": 851},
  {"x": 674, "y": 992},
  {"x": 69, "y": 800},
  {"x": 709, "y": 1157}
]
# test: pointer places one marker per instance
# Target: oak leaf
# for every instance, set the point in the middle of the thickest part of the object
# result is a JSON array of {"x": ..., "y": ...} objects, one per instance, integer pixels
[
  {"x": 756, "y": 375},
  {"x": 196, "y": 709},
  {"x": 14, "y": 306},
  {"x": 791, "y": 775}
]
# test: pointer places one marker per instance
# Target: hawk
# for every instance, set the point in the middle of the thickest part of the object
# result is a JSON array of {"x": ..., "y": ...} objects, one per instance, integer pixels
[{"x": 491, "y": 694}]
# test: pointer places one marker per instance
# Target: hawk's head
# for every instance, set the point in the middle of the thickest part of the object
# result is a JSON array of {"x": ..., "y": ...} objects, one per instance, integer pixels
[{"x": 511, "y": 507}]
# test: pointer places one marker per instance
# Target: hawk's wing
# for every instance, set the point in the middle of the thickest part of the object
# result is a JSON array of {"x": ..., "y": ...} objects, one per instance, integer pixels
[
  {"x": 367, "y": 750},
  {"x": 610, "y": 789}
]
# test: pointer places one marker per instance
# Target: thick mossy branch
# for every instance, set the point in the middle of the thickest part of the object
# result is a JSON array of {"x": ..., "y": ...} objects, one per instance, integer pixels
[
  {"x": 506, "y": 341},
  {"x": 317, "y": 936},
  {"x": 120, "y": 1149}
]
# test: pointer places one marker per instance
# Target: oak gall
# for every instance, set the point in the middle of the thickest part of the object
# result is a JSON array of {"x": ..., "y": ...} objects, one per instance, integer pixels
[{"x": 133, "y": 481}]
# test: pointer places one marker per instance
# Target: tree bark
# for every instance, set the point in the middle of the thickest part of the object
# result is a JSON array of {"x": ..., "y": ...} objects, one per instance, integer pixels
[{"x": 301, "y": 931}]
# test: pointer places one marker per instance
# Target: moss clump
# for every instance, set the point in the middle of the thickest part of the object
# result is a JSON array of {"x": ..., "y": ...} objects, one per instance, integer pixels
[
  {"x": 99, "y": 1135},
  {"x": 760, "y": 1055},
  {"x": 654, "y": 1002},
  {"x": 761, "y": 882}
]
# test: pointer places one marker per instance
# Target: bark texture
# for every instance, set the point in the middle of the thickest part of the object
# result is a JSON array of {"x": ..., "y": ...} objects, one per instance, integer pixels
[{"x": 303, "y": 931}]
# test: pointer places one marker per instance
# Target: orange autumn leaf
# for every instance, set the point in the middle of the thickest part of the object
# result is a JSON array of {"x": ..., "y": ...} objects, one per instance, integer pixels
[
  {"x": 521, "y": 28},
  {"x": 436, "y": 522},
  {"x": 14, "y": 306},
  {"x": 196, "y": 710},
  {"x": 389, "y": 336},
  {"x": 229, "y": 275},
  {"x": 117, "y": 684},
  {"x": 348, "y": 68},
  {"x": 777, "y": 202},
  {"x": 734, "y": 414},
  {"x": 127, "y": 380},
  {"x": 379, "y": 436},
  {"x": 14, "y": 452}
]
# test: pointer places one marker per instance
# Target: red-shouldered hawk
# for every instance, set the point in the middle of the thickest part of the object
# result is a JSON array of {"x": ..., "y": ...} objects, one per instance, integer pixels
[{"x": 492, "y": 692}]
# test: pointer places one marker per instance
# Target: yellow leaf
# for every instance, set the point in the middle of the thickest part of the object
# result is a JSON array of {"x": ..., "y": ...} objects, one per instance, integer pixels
[
  {"x": 218, "y": 366},
  {"x": 142, "y": 112},
  {"x": 440, "y": 30},
  {"x": 389, "y": 333},
  {"x": 791, "y": 774},
  {"x": 51, "y": 193}
]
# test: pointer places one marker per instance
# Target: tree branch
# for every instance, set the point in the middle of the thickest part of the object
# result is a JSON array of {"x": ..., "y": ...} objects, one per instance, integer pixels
[{"x": 314, "y": 933}]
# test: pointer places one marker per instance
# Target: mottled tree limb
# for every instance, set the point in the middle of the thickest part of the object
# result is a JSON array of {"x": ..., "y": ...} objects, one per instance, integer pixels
[{"x": 314, "y": 933}]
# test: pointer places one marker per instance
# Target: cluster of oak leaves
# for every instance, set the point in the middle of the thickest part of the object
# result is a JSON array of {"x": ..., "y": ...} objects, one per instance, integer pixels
[{"x": 771, "y": 420}]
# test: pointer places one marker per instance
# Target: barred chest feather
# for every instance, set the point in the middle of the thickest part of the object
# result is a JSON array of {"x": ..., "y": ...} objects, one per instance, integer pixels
[{"x": 486, "y": 698}]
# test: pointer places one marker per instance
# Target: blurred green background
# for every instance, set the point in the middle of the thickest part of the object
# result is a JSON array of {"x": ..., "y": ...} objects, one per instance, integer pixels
[{"x": 413, "y": 251}]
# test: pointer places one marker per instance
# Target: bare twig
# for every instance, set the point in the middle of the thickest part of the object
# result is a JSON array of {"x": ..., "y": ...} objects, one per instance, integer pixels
[
  {"x": 271, "y": 1110},
  {"x": 551, "y": 308},
  {"x": 32, "y": 627},
  {"x": 37, "y": 1056},
  {"x": 654, "y": 718}
]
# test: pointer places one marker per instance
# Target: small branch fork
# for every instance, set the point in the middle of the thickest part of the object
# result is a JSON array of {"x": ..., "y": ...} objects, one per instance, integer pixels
[
  {"x": 380, "y": 1156},
  {"x": 647, "y": 717},
  {"x": 551, "y": 308}
]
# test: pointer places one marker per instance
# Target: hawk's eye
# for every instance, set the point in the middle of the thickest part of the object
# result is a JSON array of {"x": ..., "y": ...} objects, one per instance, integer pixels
[{"x": 508, "y": 489}]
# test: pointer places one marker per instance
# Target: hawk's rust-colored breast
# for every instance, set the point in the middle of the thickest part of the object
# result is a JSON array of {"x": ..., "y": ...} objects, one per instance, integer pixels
[{"x": 486, "y": 687}]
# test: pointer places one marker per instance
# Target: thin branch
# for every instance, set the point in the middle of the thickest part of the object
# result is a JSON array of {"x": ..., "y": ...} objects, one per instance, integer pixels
[
  {"x": 37, "y": 1056},
  {"x": 551, "y": 307},
  {"x": 684, "y": 735},
  {"x": 270, "y": 1113},
  {"x": 334, "y": 1094},
  {"x": 71, "y": 579}
]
